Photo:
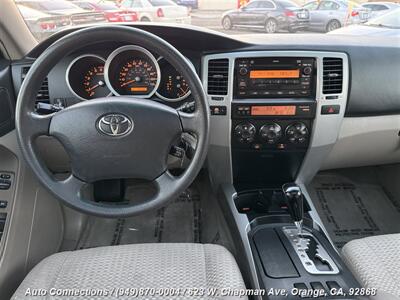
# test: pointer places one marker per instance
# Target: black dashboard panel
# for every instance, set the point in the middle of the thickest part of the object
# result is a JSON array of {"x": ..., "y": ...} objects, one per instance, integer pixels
[{"x": 374, "y": 61}]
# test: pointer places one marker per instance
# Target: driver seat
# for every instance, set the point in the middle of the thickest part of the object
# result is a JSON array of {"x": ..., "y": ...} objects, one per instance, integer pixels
[{"x": 127, "y": 267}]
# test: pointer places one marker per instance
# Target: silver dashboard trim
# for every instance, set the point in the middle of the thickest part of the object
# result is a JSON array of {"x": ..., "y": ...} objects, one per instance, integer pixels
[
  {"x": 301, "y": 244},
  {"x": 325, "y": 129}
]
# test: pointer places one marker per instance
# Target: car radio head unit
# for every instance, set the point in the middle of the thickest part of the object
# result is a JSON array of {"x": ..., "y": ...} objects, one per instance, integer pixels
[{"x": 275, "y": 77}]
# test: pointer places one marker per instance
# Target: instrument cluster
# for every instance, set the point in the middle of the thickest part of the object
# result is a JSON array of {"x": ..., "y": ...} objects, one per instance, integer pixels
[{"x": 128, "y": 71}]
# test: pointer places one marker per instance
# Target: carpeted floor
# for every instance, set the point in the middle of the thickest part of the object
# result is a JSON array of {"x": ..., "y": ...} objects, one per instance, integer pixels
[
  {"x": 352, "y": 209},
  {"x": 179, "y": 222}
]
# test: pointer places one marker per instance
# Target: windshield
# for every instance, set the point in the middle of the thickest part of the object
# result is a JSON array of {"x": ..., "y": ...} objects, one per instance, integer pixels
[
  {"x": 231, "y": 17},
  {"x": 388, "y": 20}
]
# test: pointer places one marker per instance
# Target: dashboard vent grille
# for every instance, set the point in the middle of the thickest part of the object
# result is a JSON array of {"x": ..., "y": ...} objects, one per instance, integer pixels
[
  {"x": 43, "y": 93},
  {"x": 218, "y": 77},
  {"x": 332, "y": 75}
]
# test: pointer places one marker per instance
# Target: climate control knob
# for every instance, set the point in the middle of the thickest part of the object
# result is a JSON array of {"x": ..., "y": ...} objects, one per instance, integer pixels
[
  {"x": 297, "y": 133},
  {"x": 245, "y": 132},
  {"x": 271, "y": 133}
]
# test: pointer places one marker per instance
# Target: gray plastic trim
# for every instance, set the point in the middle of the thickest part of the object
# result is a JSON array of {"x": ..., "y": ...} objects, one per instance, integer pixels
[{"x": 243, "y": 226}]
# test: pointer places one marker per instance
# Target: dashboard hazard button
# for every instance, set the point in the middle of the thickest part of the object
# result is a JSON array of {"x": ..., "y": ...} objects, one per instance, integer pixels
[{"x": 330, "y": 109}]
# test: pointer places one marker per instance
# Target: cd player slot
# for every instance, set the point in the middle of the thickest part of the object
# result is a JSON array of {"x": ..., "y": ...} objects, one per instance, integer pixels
[{"x": 268, "y": 77}]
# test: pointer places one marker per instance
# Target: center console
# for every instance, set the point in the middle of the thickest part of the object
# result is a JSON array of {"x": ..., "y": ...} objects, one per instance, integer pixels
[
  {"x": 275, "y": 116},
  {"x": 273, "y": 109}
]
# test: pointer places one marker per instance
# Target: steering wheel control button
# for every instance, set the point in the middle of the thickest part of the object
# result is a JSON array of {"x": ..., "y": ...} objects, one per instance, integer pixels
[
  {"x": 5, "y": 176},
  {"x": 5, "y": 184},
  {"x": 3, "y": 204},
  {"x": 115, "y": 125},
  {"x": 297, "y": 133},
  {"x": 245, "y": 132},
  {"x": 271, "y": 133},
  {"x": 330, "y": 109},
  {"x": 218, "y": 110}
]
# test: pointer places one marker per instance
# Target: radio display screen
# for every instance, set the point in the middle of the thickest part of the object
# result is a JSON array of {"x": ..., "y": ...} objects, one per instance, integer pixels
[
  {"x": 287, "y": 110},
  {"x": 262, "y": 74}
]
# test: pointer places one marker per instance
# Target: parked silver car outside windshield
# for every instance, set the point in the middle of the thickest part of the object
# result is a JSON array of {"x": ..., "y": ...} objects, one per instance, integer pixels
[{"x": 232, "y": 17}]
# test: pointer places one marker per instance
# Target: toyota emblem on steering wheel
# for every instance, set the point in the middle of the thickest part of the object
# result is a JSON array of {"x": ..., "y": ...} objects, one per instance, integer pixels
[{"x": 115, "y": 125}]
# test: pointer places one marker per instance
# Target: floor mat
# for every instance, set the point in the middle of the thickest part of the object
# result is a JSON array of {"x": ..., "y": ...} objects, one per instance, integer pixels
[
  {"x": 351, "y": 210},
  {"x": 179, "y": 222}
]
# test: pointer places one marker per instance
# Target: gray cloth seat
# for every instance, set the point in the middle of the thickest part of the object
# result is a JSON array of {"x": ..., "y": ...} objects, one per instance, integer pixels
[
  {"x": 375, "y": 261},
  {"x": 147, "y": 266}
]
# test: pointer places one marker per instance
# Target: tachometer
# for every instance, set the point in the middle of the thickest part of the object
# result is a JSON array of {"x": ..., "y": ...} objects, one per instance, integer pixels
[
  {"x": 173, "y": 87},
  {"x": 132, "y": 70},
  {"x": 85, "y": 77}
]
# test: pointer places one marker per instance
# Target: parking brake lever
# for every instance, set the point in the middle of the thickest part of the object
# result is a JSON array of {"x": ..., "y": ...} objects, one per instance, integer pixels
[{"x": 294, "y": 200}]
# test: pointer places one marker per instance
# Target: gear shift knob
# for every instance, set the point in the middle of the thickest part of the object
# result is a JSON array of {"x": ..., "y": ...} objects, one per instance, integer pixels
[{"x": 294, "y": 198}]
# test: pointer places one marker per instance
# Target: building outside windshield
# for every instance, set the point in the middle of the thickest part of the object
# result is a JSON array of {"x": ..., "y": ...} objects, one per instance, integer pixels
[{"x": 232, "y": 17}]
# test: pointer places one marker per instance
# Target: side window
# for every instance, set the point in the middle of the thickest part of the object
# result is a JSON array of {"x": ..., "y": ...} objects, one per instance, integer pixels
[
  {"x": 380, "y": 7},
  {"x": 266, "y": 4},
  {"x": 311, "y": 5},
  {"x": 328, "y": 5},
  {"x": 252, "y": 5}
]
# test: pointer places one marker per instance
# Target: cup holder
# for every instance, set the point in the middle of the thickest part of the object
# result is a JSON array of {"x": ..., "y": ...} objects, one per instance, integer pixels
[{"x": 260, "y": 201}]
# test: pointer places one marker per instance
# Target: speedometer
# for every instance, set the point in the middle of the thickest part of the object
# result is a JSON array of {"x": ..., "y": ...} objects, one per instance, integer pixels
[
  {"x": 138, "y": 76},
  {"x": 133, "y": 71}
]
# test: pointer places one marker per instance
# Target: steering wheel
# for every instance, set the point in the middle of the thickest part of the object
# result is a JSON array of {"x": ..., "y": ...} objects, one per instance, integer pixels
[{"x": 116, "y": 137}]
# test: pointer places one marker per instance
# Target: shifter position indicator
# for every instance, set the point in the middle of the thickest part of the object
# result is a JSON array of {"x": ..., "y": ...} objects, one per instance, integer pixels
[{"x": 313, "y": 256}]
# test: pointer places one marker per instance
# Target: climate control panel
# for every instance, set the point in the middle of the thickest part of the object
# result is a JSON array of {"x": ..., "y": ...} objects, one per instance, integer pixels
[{"x": 267, "y": 134}]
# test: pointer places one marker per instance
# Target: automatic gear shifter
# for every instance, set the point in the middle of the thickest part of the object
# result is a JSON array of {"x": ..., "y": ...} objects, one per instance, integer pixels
[{"x": 294, "y": 198}]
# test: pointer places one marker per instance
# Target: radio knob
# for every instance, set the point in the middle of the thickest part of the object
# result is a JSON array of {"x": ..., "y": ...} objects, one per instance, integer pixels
[
  {"x": 297, "y": 133},
  {"x": 307, "y": 70},
  {"x": 243, "y": 71},
  {"x": 271, "y": 133},
  {"x": 245, "y": 132}
]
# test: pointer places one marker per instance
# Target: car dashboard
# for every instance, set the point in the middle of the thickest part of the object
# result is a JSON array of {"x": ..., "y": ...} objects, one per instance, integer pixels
[{"x": 282, "y": 108}]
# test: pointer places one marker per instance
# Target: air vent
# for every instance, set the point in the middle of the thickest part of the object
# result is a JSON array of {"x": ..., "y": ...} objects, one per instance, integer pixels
[
  {"x": 333, "y": 75},
  {"x": 43, "y": 93},
  {"x": 218, "y": 77}
]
